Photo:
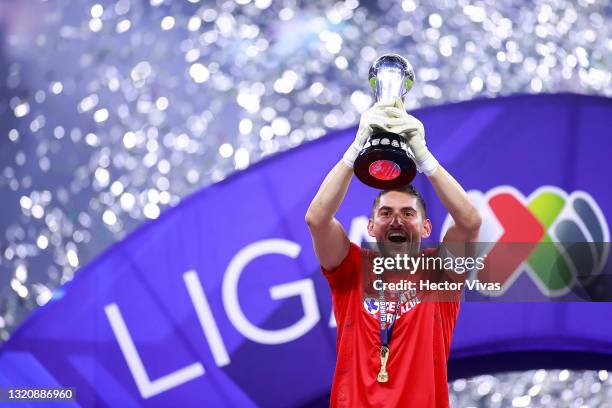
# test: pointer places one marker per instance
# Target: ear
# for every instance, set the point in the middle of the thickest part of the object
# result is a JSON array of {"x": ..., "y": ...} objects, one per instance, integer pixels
[
  {"x": 426, "y": 231},
  {"x": 371, "y": 228}
]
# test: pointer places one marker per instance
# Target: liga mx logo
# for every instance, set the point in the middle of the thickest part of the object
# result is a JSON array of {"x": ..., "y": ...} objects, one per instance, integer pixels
[{"x": 559, "y": 239}]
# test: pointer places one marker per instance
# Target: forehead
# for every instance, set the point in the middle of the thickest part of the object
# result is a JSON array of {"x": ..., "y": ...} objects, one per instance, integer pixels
[{"x": 396, "y": 199}]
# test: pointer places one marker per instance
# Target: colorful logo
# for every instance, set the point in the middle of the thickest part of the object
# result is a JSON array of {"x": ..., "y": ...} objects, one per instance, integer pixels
[{"x": 555, "y": 237}]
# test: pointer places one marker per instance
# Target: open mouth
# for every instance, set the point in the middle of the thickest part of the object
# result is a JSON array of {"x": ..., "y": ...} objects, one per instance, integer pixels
[{"x": 398, "y": 237}]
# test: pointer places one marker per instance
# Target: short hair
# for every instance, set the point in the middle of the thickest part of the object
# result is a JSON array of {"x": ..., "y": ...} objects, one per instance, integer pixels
[{"x": 410, "y": 190}]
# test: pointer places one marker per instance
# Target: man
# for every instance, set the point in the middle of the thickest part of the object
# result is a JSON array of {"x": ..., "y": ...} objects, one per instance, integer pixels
[{"x": 373, "y": 368}]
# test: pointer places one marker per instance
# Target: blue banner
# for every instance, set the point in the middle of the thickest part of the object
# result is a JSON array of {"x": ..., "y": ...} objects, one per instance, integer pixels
[{"x": 220, "y": 301}]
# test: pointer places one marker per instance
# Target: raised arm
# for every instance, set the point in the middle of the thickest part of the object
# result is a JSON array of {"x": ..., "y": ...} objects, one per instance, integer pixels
[
  {"x": 454, "y": 198},
  {"x": 329, "y": 238}
]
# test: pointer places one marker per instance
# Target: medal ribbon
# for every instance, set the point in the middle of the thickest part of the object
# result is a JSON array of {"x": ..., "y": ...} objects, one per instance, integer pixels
[{"x": 386, "y": 327}]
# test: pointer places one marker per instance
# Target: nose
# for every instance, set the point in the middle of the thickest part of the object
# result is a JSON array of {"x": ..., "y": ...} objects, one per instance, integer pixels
[{"x": 396, "y": 220}]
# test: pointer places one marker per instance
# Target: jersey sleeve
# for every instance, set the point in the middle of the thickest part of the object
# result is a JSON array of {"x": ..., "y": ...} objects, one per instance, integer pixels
[{"x": 345, "y": 274}]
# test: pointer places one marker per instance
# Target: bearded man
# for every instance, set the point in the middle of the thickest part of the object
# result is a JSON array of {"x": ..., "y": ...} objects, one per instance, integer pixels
[{"x": 382, "y": 360}]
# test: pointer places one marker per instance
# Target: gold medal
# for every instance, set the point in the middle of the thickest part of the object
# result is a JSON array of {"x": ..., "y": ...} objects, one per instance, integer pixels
[{"x": 383, "y": 376}]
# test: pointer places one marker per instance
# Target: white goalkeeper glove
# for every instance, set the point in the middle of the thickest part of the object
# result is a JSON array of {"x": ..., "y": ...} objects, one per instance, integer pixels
[
  {"x": 375, "y": 118},
  {"x": 412, "y": 130}
]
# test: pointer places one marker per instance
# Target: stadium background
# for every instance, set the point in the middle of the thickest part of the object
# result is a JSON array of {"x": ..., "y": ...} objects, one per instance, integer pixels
[{"x": 112, "y": 112}]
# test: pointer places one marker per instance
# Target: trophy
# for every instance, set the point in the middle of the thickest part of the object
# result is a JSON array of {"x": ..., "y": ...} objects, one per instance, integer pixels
[{"x": 384, "y": 161}]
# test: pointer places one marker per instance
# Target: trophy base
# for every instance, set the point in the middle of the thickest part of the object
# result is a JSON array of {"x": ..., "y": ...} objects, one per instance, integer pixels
[{"x": 383, "y": 165}]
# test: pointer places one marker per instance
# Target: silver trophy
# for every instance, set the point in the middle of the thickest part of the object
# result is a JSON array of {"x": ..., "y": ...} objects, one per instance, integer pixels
[{"x": 384, "y": 162}]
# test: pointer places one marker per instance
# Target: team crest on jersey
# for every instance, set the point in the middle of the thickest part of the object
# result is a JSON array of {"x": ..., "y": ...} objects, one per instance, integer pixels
[
  {"x": 408, "y": 301},
  {"x": 371, "y": 305}
]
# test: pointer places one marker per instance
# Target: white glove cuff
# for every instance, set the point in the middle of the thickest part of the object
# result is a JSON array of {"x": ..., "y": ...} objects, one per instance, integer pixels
[
  {"x": 351, "y": 155},
  {"x": 427, "y": 164}
]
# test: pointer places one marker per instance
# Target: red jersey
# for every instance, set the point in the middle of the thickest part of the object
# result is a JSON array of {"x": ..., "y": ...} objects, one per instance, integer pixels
[{"x": 419, "y": 347}]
